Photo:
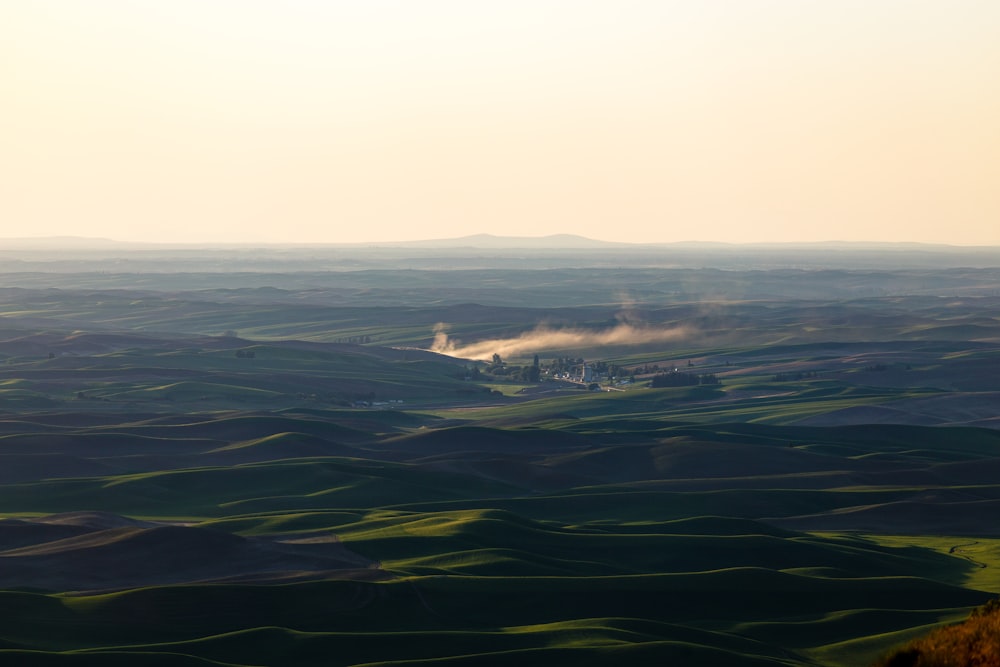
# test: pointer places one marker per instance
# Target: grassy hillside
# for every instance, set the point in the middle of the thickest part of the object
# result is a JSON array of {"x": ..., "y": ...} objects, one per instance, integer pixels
[
  {"x": 277, "y": 539},
  {"x": 972, "y": 642},
  {"x": 267, "y": 470}
]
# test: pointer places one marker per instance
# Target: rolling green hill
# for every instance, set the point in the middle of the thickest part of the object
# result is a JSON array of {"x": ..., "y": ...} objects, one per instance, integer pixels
[{"x": 274, "y": 469}]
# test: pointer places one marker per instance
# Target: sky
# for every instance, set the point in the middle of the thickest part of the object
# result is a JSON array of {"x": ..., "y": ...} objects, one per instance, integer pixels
[{"x": 338, "y": 121}]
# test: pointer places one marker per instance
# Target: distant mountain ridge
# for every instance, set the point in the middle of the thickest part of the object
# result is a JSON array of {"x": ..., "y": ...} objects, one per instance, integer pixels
[
  {"x": 481, "y": 241},
  {"x": 569, "y": 241}
]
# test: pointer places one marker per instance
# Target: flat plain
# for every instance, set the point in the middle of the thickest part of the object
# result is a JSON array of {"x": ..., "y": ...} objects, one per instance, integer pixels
[{"x": 312, "y": 457}]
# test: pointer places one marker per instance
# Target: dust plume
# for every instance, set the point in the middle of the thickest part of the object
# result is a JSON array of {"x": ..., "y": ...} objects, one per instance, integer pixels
[{"x": 543, "y": 338}]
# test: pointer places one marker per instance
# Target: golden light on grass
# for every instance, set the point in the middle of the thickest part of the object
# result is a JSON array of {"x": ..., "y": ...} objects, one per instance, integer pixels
[{"x": 972, "y": 643}]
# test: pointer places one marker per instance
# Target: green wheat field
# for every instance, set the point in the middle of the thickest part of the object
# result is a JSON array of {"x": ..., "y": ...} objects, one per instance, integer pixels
[{"x": 765, "y": 466}]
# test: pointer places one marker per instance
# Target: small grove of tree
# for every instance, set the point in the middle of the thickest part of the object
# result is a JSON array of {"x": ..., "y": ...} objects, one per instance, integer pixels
[
  {"x": 678, "y": 379},
  {"x": 499, "y": 367},
  {"x": 245, "y": 354},
  {"x": 531, "y": 373}
]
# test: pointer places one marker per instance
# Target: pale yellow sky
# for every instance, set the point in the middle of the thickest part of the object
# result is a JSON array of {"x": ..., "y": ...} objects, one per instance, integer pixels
[{"x": 377, "y": 120}]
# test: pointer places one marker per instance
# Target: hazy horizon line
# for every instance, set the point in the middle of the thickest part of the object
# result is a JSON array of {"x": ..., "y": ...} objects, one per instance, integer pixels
[{"x": 470, "y": 239}]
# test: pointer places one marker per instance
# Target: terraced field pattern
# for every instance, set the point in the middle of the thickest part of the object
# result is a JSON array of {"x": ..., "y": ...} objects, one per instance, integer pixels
[{"x": 291, "y": 475}]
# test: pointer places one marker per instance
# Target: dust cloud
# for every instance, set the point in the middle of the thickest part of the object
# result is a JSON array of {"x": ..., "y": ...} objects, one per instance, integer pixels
[{"x": 543, "y": 338}]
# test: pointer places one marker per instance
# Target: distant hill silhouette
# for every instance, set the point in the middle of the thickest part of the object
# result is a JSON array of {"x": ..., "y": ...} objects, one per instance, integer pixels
[
  {"x": 487, "y": 241},
  {"x": 567, "y": 241}
]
